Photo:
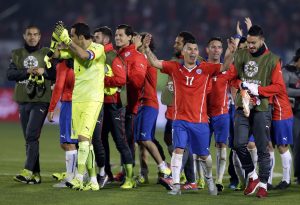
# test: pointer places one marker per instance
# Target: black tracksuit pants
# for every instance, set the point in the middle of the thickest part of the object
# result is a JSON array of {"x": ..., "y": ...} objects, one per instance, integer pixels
[{"x": 32, "y": 116}]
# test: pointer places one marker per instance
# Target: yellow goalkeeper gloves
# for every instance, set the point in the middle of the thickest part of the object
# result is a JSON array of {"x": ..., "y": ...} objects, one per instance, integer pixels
[
  {"x": 61, "y": 34},
  {"x": 47, "y": 59}
]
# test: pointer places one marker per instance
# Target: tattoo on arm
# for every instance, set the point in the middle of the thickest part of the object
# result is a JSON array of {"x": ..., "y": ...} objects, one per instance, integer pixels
[{"x": 153, "y": 59}]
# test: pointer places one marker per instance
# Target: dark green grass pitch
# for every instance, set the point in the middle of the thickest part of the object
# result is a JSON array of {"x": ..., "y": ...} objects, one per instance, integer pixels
[{"x": 12, "y": 154}]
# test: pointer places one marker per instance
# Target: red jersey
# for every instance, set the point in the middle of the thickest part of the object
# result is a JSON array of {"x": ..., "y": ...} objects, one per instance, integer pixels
[
  {"x": 149, "y": 95},
  {"x": 217, "y": 99},
  {"x": 118, "y": 79},
  {"x": 136, "y": 66},
  {"x": 190, "y": 89},
  {"x": 170, "y": 112},
  {"x": 64, "y": 85},
  {"x": 281, "y": 107}
]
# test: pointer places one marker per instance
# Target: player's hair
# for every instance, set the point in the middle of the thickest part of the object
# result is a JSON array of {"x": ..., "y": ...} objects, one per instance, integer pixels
[
  {"x": 215, "y": 39},
  {"x": 297, "y": 55},
  {"x": 192, "y": 41},
  {"x": 82, "y": 29},
  {"x": 187, "y": 36},
  {"x": 242, "y": 40},
  {"x": 151, "y": 45},
  {"x": 105, "y": 31},
  {"x": 32, "y": 26},
  {"x": 128, "y": 29},
  {"x": 256, "y": 30}
]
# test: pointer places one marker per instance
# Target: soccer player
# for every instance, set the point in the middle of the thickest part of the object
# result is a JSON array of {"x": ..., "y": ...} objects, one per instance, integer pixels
[
  {"x": 217, "y": 108},
  {"x": 136, "y": 67},
  {"x": 282, "y": 134},
  {"x": 88, "y": 94},
  {"x": 188, "y": 176},
  {"x": 63, "y": 89},
  {"x": 145, "y": 121},
  {"x": 190, "y": 127},
  {"x": 33, "y": 94},
  {"x": 114, "y": 110},
  {"x": 291, "y": 76},
  {"x": 259, "y": 69}
]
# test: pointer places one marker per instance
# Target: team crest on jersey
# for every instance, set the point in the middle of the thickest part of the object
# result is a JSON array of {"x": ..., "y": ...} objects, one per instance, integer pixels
[
  {"x": 127, "y": 54},
  {"x": 251, "y": 68},
  {"x": 30, "y": 61},
  {"x": 198, "y": 71}
]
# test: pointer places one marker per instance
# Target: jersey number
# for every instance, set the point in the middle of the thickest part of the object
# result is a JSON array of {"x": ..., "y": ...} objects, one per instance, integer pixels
[{"x": 189, "y": 80}]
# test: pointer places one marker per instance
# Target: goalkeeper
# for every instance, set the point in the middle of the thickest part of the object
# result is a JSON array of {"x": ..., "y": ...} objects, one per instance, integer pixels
[{"x": 89, "y": 60}]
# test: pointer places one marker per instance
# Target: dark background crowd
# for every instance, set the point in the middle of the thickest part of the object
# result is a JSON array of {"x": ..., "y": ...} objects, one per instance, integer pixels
[{"x": 280, "y": 20}]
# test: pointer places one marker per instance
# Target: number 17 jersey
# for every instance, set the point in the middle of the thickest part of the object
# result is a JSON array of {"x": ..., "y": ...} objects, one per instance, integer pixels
[{"x": 190, "y": 89}]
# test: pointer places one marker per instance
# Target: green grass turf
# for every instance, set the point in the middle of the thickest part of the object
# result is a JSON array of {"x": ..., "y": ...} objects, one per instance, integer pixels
[{"x": 12, "y": 156}]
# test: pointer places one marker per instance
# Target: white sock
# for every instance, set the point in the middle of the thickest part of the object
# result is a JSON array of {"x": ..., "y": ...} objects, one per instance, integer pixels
[
  {"x": 162, "y": 166},
  {"x": 176, "y": 163},
  {"x": 201, "y": 171},
  {"x": 221, "y": 164},
  {"x": 79, "y": 176},
  {"x": 195, "y": 166},
  {"x": 207, "y": 167},
  {"x": 286, "y": 160},
  {"x": 102, "y": 171},
  {"x": 254, "y": 157},
  {"x": 240, "y": 172},
  {"x": 253, "y": 175},
  {"x": 272, "y": 164},
  {"x": 71, "y": 160},
  {"x": 263, "y": 185},
  {"x": 94, "y": 180}
]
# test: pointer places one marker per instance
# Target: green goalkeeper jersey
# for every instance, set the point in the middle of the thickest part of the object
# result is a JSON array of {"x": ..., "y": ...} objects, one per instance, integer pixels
[{"x": 89, "y": 74}]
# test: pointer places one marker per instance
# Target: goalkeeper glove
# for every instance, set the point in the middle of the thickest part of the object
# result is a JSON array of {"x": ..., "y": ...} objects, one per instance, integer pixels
[
  {"x": 62, "y": 33},
  {"x": 54, "y": 36},
  {"x": 47, "y": 59},
  {"x": 53, "y": 44}
]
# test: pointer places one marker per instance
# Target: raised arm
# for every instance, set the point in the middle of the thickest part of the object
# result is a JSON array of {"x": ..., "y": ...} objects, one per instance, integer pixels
[
  {"x": 61, "y": 35},
  {"x": 229, "y": 53},
  {"x": 248, "y": 23},
  {"x": 150, "y": 55}
]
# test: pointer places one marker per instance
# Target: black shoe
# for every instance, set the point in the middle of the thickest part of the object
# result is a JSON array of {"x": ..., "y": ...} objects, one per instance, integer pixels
[
  {"x": 297, "y": 180},
  {"x": 30, "y": 87},
  {"x": 283, "y": 185},
  {"x": 166, "y": 182},
  {"x": 269, "y": 186},
  {"x": 220, "y": 187},
  {"x": 40, "y": 86}
]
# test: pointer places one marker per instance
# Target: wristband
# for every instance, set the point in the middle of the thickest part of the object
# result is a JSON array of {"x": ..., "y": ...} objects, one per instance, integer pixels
[{"x": 237, "y": 36}]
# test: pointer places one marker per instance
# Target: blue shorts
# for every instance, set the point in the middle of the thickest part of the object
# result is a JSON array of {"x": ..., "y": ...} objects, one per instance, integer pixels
[
  {"x": 145, "y": 123},
  {"x": 251, "y": 138},
  {"x": 282, "y": 131},
  {"x": 219, "y": 125},
  {"x": 65, "y": 119},
  {"x": 231, "y": 125},
  {"x": 195, "y": 136}
]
